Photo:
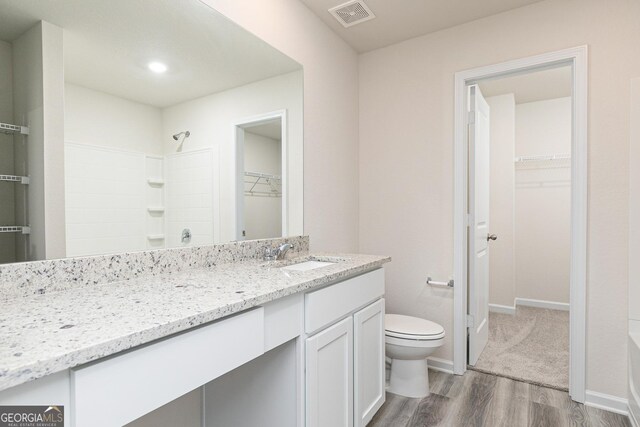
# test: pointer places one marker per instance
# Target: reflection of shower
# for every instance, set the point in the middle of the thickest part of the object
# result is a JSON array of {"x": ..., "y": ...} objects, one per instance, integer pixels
[{"x": 185, "y": 133}]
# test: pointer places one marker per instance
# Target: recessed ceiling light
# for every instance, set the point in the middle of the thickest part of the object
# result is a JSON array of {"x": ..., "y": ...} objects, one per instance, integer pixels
[{"x": 157, "y": 67}]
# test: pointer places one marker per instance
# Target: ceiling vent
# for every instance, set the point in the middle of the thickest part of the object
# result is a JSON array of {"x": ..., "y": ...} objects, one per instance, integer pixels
[{"x": 352, "y": 13}]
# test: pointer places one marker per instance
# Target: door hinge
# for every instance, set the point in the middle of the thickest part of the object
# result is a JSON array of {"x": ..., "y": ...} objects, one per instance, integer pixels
[{"x": 470, "y": 321}]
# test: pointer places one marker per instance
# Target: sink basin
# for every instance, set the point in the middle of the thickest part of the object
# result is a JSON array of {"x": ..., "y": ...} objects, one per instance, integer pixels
[{"x": 307, "y": 265}]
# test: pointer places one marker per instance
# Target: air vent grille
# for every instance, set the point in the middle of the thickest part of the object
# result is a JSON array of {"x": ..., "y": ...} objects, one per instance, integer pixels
[{"x": 352, "y": 13}]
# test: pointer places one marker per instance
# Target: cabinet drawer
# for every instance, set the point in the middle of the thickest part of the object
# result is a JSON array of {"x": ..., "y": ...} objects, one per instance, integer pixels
[
  {"x": 329, "y": 304},
  {"x": 121, "y": 389},
  {"x": 283, "y": 320}
]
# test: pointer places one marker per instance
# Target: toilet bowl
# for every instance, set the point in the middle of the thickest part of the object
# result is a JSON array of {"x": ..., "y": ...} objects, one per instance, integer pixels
[{"x": 408, "y": 343}]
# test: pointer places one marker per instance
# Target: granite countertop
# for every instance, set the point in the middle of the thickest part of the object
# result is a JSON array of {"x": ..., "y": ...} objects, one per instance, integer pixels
[{"x": 45, "y": 334}]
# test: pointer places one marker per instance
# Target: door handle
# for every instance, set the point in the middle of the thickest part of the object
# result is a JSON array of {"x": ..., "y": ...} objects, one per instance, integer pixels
[{"x": 491, "y": 237}]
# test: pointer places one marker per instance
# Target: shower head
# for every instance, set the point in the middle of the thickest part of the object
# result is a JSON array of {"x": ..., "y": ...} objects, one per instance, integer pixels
[{"x": 185, "y": 133}]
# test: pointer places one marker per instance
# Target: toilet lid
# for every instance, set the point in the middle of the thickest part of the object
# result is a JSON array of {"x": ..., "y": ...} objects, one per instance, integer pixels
[{"x": 397, "y": 325}]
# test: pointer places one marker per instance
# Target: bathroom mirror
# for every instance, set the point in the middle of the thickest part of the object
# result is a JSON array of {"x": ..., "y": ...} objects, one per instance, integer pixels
[{"x": 128, "y": 125}]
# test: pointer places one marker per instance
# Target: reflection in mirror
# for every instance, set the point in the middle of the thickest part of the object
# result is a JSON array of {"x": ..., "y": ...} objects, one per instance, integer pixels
[
  {"x": 260, "y": 140},
  {"x": 135, "y": 124}
]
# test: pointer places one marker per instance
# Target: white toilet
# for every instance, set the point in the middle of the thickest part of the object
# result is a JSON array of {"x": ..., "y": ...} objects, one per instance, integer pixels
[{"x": 408, "y": 343}]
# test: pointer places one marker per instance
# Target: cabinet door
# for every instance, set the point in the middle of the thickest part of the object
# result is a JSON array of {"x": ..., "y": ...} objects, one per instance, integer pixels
[
  {"x": 329, "y": 376},
  {"x": 369, "y": 379}
]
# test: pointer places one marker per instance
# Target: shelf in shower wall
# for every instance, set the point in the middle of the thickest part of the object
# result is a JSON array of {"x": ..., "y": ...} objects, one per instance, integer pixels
[
  {"x": 9, "y": 129},
  {"x": 15, "y": 229},
  {"x": 155, "y": 209},
  {"x": 155, "y": 181},
  {"x": 155, "y": 236},
  {"x": 15, "y": 178}
]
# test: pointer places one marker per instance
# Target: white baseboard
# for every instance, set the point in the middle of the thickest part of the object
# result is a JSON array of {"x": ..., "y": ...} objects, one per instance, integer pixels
[
  {"x": 634, "y": 421},
  {"x": 506, "y": 309},
  {"x": 552, "y": 305},
  {"x": 607, "y": 402},
  {"x": 441, "y": 365}
]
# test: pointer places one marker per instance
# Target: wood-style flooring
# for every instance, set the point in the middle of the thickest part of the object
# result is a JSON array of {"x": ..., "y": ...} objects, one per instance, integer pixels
[{"x": 478, "y": 399}]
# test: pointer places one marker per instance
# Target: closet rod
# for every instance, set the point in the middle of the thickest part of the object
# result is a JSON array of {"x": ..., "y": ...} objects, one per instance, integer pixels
[{"x": 262, "y": 175}]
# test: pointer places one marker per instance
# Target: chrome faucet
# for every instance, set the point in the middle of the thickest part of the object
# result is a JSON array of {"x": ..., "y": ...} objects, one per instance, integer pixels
[
  {"x": 276, "y": 254},
  {"x": 282, "y": 250}
]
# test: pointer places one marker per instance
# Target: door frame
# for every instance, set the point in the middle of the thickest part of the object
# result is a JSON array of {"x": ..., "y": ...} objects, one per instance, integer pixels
[
  {"x": 577, "y": 58},
  {"x": 239, "y": 128}
]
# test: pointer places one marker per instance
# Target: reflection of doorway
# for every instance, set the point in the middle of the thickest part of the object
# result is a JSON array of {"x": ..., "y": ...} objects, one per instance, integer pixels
[
  {"x": 519, "y": 258},
  {"x": 464, "y": 298},
  {"x": 261, "y": 177}
]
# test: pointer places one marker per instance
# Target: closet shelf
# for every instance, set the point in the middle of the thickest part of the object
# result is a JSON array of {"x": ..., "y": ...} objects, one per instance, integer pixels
[
  {"x": 543, "y": 161},
  {"x": 9, "y": 129},
  {"x": 15, "y": 178},
  {"x": 263, "y": 184},
  {"x": 262, "y": 194},
  {"x": 15, "y": 229},
  {"x": 542, "y": 158}
]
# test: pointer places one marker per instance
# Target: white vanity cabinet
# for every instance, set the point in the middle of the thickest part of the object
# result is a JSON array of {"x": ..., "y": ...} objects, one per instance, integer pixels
[
  {"x": 345, "y": 352},
  {"x": 329, "y": 376},
  {"x": 310, "y": 359},
  {"x": 368, "y": 351}
]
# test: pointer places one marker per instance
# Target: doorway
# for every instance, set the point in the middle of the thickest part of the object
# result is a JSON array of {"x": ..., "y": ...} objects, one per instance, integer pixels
[
  {"x": 261, "y": 186},
  {"x": 520, "y": 145},
  {"x": 473, "y": 235}
]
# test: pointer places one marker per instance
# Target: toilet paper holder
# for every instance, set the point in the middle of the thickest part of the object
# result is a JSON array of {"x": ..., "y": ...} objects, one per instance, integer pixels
[{"x": 432, "y": 282}]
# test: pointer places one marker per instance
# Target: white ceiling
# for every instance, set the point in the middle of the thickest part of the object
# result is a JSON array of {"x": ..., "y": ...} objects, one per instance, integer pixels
[
  {"x": 108, "y": 44},
  {"x": 531, "y": 87},
  {"x": 398, "y": 20},
  {"x": 271, "y": 129}
]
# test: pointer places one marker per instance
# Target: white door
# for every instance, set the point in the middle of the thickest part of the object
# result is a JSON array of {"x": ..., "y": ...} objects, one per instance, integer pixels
[
  {"x": 329, "y": 376},
  {"x": 478, "y": 223},
  {"x": 368, "y": 331}
]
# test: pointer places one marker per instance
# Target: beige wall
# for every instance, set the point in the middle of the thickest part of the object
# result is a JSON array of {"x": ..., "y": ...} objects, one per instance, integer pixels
[
  {"x": 502, "y": 280},
  {"x": 330, "y": 113},
  {"x": 406, "y": 129},
  {"x": 634, "y": 204},
  {"x": 543, "y": 202}
]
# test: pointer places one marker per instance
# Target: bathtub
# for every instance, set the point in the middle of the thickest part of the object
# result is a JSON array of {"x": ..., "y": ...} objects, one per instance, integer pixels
[{"x": 634, "y": 372}]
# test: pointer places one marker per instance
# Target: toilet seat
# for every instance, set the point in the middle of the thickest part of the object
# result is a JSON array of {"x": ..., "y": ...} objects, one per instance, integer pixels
[
  {"x": 408, "y": 343},
  {"x": 412, "y": 328}
]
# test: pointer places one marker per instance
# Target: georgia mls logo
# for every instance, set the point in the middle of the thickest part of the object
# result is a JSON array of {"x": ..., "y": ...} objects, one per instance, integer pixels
[{"x": 32, "y": 416}]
